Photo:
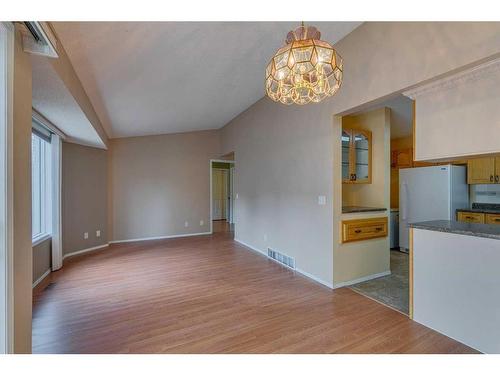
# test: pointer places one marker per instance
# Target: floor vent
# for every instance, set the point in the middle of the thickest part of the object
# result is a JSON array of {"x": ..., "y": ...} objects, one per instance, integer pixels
[{"x": 281, "y": 258}]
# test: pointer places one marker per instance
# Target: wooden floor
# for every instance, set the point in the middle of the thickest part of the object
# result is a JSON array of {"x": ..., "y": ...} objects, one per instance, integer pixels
[{"x": 208, "y": 294}]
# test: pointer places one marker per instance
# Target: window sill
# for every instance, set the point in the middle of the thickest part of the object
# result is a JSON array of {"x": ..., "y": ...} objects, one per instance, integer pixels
[{"x": 41, "y": 238}]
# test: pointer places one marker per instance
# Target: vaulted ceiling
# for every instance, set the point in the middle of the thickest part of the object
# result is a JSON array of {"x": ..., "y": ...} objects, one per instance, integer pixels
[{"x": 168, "y": 77}]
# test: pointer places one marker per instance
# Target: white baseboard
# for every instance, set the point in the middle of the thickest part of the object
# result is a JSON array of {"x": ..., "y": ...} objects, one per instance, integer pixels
[
  {"x": 250, "y": 247},
  {"x": 40, "y": 279},
  {"x": 161, "y": 237},
  {"x": 312, "y": 277},
  {"x": 361, "y": 279},
  {"x": 298, "y": 270},
  {"x": 85, "y": 250}
]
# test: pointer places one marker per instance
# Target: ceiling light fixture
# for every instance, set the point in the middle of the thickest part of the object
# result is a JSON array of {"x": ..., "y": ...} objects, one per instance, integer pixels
[{"x": 305, "y": 70}]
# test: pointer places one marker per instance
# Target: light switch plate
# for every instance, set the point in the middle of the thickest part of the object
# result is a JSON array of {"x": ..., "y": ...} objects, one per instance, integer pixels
[
  {"x": 321, "y": 200},
  {"x": 98, "y": 233},
  {"x": 86, "y": 236},
  {"x": 186, "y": 224}
]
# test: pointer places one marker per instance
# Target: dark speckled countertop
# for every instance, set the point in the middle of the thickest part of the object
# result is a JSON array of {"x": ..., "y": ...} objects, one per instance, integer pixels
[
  {"x": 457, "y": 227},
  {"x": 354, "y": 209},
  {"x": 483, "y": 208}
]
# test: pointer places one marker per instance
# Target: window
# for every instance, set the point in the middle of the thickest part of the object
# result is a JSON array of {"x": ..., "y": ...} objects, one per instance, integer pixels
[{"x": 41, "y": 187}]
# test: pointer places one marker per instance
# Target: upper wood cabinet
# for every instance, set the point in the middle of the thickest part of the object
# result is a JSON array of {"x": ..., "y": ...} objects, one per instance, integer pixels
[
  {"x": 483, "y": 171},
  {"x": 356, "y": 156},
  {"x": 402, "y": 158}
]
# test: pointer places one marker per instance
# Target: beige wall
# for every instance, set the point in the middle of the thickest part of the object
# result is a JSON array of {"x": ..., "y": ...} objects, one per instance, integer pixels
[
  {"x": 285, "y": 155},
  {"x": 22, "y": 199},
  {"x": 461, "y": 120},
  {"x": 159, "y": 182},
  {"x": 42, "y": 258},
  {"x": 84, "y": 196}
]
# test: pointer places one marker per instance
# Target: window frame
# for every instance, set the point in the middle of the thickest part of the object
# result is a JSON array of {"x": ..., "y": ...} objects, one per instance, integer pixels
[{"x": 45, "y": 158}]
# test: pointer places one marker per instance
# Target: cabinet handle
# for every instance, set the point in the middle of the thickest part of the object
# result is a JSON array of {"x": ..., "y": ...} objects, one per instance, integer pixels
[
  {"x": 357, "y": 231},
  {"x": 378, "y": 229},
  {"x": 491, "y": 178},
  {"x": 497, "y": 178}
]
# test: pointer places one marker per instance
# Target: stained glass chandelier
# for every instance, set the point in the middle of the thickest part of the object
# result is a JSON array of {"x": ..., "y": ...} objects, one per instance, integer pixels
[{"x": 305, "y": 70}]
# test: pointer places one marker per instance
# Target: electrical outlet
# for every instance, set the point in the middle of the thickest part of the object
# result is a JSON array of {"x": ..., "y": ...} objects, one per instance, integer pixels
[
  {"x": 321, "y": 200},
  {"x": 202, "y": 222},
  {"x": 98, "y": 233},
  {"x": 186, "y": 224},
  {"x": 86, "y": 236},
  {"x": 265, "y": 237},
  {"x": 237, "y": 196}
]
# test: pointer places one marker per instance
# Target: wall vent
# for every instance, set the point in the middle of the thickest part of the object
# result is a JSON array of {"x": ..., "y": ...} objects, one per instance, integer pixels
[{"x": 281, "y": 258}]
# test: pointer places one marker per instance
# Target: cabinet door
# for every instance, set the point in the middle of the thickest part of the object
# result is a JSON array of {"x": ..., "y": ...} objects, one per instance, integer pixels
[
  {"x": 347, "y": 171},
  {"x": 404, "y": 158},
  {"x": 470, "y": 217},
  {"x": 492, "y": 219},
  {"x": 497, "y": 170},
  {"x": 481, "y": 171},
  {"x": 362, "y": 149}
]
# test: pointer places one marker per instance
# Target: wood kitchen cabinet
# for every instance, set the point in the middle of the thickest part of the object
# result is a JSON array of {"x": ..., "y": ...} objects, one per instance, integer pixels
[
  {"x": 470, "y": 217},
  {"x": 402, "y": 158},
  {"x": 356, "y": 156},
  {"x": 492, "y": 219},
  {"x": 483, "y": 171}
]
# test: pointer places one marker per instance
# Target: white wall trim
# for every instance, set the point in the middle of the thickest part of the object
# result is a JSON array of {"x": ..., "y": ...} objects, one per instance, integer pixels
[
  {"x": 298, "y": 270},
  {"x": 56, "y": 201},
  {"x": 161, "y": 237},
  {"x": 38, "y": 240},
  {"x": 361, "y": 279},
  {"x": 40, "y": 279},
  {"x": 472, "y": 74},
  {"x": 85, "y": 250}
]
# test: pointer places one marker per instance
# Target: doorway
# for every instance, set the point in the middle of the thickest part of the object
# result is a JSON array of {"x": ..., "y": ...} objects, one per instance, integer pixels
[{"x": 222, "y": 196}]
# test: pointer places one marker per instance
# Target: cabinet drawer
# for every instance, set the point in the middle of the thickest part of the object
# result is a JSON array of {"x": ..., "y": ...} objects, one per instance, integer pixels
[
  {"x": 471, "y": 217},
  {"x": 364, "y": 229},
  {"x": 492, "y": 219}
]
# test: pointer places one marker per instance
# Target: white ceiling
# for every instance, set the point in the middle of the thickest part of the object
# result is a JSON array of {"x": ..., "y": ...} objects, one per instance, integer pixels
[
  {"x": 167, "y": 77},
  {"x": 51, "y": 98}
]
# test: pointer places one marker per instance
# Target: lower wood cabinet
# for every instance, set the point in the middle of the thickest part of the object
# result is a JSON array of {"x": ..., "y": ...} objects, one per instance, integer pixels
[
  {"x": 478, "y": 217},
  {"x": 492, "y": 219},
  {"x": 470, "y": 217},
  {"x": 364, "y": 229}
]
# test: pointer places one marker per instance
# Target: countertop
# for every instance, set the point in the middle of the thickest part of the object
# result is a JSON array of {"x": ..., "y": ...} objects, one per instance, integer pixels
[
  {"x": 482, "y": 208},
  {"x": 457, "y": 227},
  {"x": 479, "y": 210},
  {"x": 353, "y": 209}
]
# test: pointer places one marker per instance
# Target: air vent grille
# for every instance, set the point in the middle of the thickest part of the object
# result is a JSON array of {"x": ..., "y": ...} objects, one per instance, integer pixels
[{"x": 281, "y": 258}]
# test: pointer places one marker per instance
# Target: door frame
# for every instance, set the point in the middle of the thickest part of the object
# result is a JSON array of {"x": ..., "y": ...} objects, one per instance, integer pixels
[{"x": 210, "y": 174}]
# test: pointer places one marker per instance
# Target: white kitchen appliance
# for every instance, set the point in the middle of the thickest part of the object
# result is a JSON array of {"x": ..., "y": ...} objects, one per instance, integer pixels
[{"x": 430, "y": 193}]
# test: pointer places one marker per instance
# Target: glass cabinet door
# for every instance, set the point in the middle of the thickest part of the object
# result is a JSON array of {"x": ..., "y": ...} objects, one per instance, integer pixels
[
  {"x": 346, "y": 155},
  {"x": 356, "y": 156},
  {"x": 361, "y": 146}
]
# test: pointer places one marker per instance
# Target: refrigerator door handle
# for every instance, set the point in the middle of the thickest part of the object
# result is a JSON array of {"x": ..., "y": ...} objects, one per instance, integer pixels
[{"x": 405, "y": 203}]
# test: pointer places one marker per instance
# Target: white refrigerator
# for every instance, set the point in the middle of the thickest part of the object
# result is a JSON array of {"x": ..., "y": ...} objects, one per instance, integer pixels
[{"x": 430, "y": 193}]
